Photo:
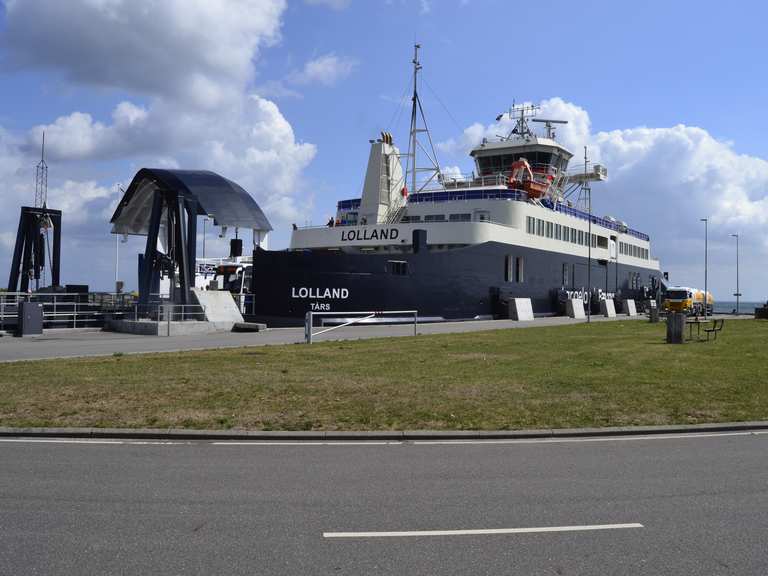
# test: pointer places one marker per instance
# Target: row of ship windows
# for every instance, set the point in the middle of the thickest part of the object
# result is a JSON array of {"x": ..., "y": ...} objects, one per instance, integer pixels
[
  {"x": 547, "y": 229},
  {"x": 631, "y": 250},
  {"x": 441, "y": 218}
]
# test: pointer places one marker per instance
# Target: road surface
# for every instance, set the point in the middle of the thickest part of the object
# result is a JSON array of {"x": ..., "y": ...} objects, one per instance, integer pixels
[{"x": 632, "y": 505}]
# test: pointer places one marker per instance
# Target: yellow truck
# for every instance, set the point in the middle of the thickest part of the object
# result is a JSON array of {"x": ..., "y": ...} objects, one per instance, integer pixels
[{"x": 688, "y": 300}]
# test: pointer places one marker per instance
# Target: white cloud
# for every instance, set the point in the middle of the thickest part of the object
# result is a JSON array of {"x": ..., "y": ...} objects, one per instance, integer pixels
[
  {"x": 326, "y": 70},
  {"x": 196, "y": 51},
  {"x": 332, "y": 4},
  {"x": 184, "y": 70},
  {"x": 73, "y": 199},
  {"x": 661, "y": 181}
]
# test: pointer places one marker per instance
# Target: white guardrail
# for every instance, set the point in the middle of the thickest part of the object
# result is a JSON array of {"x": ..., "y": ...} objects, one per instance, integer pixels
[{"x": 364, "y": 315}]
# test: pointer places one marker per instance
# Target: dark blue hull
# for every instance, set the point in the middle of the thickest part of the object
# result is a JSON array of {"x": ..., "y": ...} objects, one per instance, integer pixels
[{"x": 454, "y": 284}]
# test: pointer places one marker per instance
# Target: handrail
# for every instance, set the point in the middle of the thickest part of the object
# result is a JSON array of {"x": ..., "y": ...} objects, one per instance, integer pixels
[{"x": 309, "y": 319}]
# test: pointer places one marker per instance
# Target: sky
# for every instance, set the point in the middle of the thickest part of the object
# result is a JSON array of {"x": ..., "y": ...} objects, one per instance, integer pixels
[{"x": 283, "y": 96}]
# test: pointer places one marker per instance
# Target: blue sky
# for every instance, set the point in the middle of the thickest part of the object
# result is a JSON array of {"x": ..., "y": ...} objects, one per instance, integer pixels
[{"x": 284, "y": 97}]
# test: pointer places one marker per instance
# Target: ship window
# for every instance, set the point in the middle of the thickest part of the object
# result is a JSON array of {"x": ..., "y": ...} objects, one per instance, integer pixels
[
  {"x": 460, "y": 217},
  {"x": 566, "y": 233},
  {"x": 434, "y": 218},
  {"x": 594, "y": 241},
  {"x": 407, "y": 219},
  {"x": 530, "y": 225},
  {"x": 550, "y": 229},
  {"x": 539, "y": 227},
  {"x": 602, "y": 241},
  {"x": 519, "y": 265},
  {"x": 574, "y": 236},
  {"x": 508, "y": 269},
  {"x": 565, "y": 274},
  {"x": 397, "y": 267},
  {"x": 558, "y": 231},
  {"x": 581, "y": 237}
]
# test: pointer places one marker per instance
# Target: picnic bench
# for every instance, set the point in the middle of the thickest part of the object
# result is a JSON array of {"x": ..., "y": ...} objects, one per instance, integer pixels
[
  {"x": 709, "y": 327},
  {"x": 717, "y": 326}
]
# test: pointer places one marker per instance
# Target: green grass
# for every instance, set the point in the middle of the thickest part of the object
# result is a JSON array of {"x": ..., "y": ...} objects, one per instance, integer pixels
[{"x": 603, "y": 374}]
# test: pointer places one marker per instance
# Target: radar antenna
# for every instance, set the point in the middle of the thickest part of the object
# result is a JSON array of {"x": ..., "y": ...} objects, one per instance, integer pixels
[
  {"x": 414, "y": 143},
  {"x": 548, "y": 125}
]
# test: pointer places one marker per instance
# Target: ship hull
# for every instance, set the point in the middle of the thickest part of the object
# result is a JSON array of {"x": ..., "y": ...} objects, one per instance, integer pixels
[{"x": 456, "y": 284}]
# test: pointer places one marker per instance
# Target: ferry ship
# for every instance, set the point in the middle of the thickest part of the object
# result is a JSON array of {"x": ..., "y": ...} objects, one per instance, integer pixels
[{"x": 460, "y": 247}]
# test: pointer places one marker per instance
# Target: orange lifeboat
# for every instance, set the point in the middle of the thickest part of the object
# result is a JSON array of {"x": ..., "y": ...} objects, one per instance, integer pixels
[{"x": 521, "y": 178}]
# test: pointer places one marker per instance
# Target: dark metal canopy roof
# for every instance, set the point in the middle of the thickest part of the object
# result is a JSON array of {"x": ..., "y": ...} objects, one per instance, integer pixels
[{"x": 227, "y": 202}]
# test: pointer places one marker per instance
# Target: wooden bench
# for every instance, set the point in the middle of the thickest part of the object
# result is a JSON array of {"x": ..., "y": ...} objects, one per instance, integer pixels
[{"x": 717, "y": 326}]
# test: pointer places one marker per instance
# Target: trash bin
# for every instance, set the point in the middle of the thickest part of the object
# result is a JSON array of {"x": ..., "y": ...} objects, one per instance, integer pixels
[
  {"x": 30, "y": 319},
  {"x": 675, "y": 328}
]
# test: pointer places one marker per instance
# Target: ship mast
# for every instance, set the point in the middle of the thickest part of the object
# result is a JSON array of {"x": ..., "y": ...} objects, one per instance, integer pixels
[{"x": 416, "y": 129}]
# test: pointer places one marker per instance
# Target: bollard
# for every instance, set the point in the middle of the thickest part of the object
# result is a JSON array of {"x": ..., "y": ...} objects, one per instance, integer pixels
[
  {"x": 675, "y": 328},
  {"x": 308, "y": 327}
]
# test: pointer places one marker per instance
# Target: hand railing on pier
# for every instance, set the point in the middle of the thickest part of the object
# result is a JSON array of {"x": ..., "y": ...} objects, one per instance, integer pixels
[
  {"x": 78, "y": 309},
  {"x": 348, "y": 316}
]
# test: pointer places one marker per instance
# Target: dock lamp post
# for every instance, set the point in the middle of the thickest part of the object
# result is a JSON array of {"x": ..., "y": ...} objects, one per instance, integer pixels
[
  {"x": 737, "y": 294},
  {"x": 705, "y": 220}
]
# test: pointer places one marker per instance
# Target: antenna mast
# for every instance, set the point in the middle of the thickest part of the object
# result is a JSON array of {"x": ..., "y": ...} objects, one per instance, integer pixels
[
  {"x": 41, "y": 179},
  {"x": 414, "y": 143}
]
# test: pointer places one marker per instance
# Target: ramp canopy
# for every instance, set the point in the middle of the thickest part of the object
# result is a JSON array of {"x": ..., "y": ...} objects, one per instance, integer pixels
[{"x": 227, "y": 202}]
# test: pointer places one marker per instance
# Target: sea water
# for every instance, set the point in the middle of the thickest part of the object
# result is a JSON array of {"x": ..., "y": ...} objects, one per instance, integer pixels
[{"x": 745, "y": 307}]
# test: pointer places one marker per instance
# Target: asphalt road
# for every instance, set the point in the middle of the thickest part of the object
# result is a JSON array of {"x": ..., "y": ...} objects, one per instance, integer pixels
[
  {"x": 65, "y": 343},
  {"x": 206, "y": 508}
]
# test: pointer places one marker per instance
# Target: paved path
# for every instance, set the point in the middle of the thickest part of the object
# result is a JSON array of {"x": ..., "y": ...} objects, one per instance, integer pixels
[
  {"x": 667, "y": 505},
  {"x": 70, "y": 343}
]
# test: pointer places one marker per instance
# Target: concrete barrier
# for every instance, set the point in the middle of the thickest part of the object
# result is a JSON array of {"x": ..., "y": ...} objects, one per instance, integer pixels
[
  {"x": 161, "y": 328},
  {"x": 521, "y": 309},
  {"x": 575, "y": 308},
  {"x": 219, "y": 307},
  {"x": 629, "y": 308},
  {"x": 607, "y": 308}
]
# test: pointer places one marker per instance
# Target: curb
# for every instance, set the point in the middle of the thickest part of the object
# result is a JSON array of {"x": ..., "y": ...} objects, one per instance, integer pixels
[{"x": 394, "y": 435}]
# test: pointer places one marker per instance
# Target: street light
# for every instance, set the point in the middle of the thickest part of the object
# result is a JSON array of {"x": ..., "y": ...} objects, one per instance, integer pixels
[
  {"x": 705, "y": 267},
  {"x": 205, "y": 219},
  {"x": 737, "y": 294}
]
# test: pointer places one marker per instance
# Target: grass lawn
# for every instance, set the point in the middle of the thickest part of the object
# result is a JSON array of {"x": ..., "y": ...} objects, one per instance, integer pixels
[{"x": 603, "y": 374}]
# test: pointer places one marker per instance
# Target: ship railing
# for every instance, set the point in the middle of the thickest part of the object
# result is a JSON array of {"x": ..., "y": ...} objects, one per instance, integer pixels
[{"x": 350, "y": 318}]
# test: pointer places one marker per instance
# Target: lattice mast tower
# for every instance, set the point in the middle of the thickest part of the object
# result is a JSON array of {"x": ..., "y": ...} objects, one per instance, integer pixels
[{"x": 41, "y": 180}]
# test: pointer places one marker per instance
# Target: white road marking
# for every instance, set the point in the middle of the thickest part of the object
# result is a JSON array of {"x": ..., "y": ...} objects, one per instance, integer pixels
[
  {"x": 90, "y": 441},
  {"x": 310, "y": 443},
  {"x": 307, "y": 443},
  {"x": 480, "y": 532},
  {"x": 680, "y": 436}
]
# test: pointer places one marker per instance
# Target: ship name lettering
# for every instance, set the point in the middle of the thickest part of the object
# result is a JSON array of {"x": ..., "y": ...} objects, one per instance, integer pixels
[
  {"x": 366, "y": 234},
  {"x": 320, "y": 293}
]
